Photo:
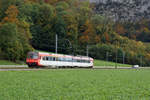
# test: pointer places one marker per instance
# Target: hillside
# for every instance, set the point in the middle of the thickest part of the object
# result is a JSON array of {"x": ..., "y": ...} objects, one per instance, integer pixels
[{"x": 26, "y": 25}]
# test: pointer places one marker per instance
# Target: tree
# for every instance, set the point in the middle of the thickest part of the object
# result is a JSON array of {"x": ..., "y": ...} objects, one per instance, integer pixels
[
  {"x": 51, "y": 1},
  {"x": 12, "y": 13},
  {"x": 120, "y": 29},
  {"x": 20, "y": 36},
  {"x": 42, "y": 27},
  {"x": 103, "y": 28},
  {"x": 88, "y": 33},
  {"x": 10, "y": 47}
]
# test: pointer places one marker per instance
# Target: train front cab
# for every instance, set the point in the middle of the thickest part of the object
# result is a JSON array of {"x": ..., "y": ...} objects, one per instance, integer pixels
[{"x": 33, "y": 59}]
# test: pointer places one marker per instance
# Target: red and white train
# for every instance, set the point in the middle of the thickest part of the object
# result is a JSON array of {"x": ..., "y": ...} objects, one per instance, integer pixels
[{"x": 40, "y": 59}]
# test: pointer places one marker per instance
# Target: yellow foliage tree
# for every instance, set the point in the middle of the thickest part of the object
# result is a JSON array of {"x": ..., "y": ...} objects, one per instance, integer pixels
[
  {"x": 120, "y": 29},
  {"x": 88, "y": 35},
  {"x": 12, "y": 13}
]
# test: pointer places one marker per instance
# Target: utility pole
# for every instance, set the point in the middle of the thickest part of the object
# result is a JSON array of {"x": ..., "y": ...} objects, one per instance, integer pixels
[
  {"x": 56, "y": 44},
  {"x": 116, "y": 59},
  {"x": 123, "y": 57},
  {"x": 87, "y": 51},
  {"x": 116, "y": 54},
  {"x": 107, "y": 54},
  {"x": 141, "y": 61}
]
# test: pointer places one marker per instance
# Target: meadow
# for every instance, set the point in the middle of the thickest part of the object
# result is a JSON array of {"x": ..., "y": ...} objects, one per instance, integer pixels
[
  {"x": 6, "y": 62},
  {"x": 108, "y": 63},
  {"x": 75, "y": 84}
]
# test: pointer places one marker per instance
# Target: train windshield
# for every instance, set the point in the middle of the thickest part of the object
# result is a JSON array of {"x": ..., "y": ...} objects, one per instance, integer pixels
[{"x": 33, "y": 55}]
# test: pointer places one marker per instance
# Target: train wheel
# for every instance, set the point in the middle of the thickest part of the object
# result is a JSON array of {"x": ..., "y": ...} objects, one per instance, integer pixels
[
  {"x": 30, "y": 66},
  {"x": 91, "y": 67},
  {"x": 36, "y": 66}
]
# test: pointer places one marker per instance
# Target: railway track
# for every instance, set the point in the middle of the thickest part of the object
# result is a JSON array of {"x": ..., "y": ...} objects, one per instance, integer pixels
[{"x": 25, "y": 68}]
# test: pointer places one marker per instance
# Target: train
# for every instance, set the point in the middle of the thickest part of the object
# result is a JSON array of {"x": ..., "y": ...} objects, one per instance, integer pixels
[{"x": 42, "y": 59}]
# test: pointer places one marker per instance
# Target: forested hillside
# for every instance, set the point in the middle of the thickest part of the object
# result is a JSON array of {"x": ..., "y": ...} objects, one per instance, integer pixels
[{"x": 26, "y": 25}]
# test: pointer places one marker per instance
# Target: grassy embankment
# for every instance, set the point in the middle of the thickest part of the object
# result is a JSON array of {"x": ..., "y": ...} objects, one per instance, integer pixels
[
  {"x": 6, "y": 62},
  {"x": 112, "y": 64},
  {"x": 65, "y": 84}
]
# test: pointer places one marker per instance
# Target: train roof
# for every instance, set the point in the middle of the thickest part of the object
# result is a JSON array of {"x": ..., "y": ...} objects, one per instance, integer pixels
[{"x": 62, "y": 55}]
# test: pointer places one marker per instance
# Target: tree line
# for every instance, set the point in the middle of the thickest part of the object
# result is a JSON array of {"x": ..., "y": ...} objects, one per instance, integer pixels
[{"x": 26, "y": 25}]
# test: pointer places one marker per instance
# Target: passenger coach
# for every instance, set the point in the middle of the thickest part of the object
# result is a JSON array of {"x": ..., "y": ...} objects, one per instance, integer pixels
[{"x": 40, "y": 59}]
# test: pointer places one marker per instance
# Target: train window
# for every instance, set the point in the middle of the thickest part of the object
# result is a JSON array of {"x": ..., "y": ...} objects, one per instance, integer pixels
[
  {"x": 44, "y": 58},
  {"x": 78, "y": 60},
  {"x": 85, "y": 61},
  {"x": 74, "y": 60},
  {"x": 61, "y": 59},
  {"x": 64, "y": 59},
  {"x": 47, "y": 58},
  {"x": 54, "y": 59},
  {"x": 50, "y": 58},
  {"x": 68, "y": 59},
  {"x": 33, "y": 55}
]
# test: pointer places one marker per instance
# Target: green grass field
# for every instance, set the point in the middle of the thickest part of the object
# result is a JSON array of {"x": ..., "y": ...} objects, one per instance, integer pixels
[
  {"x": 6, "y": 62},
  {"x": 68, "y": 84},
  {"x": 105, "y": 63}
]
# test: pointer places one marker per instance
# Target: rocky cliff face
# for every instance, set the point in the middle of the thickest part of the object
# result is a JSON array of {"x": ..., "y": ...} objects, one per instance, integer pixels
[{"x": 123, "y": 10}]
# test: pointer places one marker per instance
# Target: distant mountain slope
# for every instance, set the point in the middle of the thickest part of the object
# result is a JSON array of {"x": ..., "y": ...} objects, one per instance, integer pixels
[{"x": 123, "y": 10}]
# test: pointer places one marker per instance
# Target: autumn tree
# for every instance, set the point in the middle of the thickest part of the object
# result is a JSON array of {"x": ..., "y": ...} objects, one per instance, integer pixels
[
  {"x": 120, "y": 29},
  {"x": 103, "y": 27},
  {"x": 19, "y": 33},
  {"x": 12, "y": 13},
  {"x": 88, "y": 33}
]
